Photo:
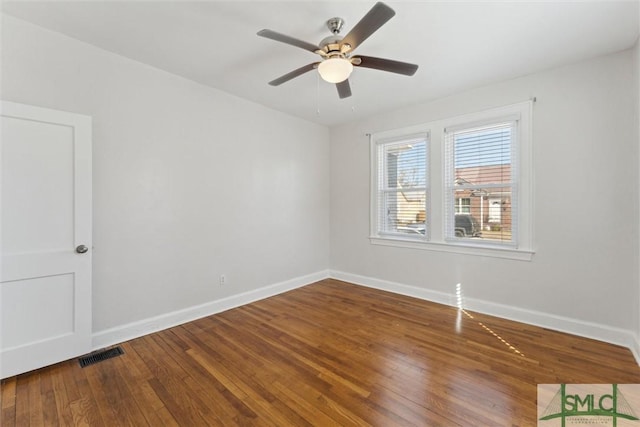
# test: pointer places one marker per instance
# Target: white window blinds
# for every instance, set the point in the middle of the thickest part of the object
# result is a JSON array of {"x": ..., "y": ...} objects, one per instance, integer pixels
[
  {"x": 402, "y": 187},
  {"x": 481, "y": 167}
]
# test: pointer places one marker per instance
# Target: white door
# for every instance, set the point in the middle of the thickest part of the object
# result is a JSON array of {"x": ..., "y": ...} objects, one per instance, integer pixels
[
  {"x": 495, "y": 209},
  {"x": 45, "y": 286}
]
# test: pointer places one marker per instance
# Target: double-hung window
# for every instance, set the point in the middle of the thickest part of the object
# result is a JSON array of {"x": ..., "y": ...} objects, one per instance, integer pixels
[
  {"x": 402, "y": 187},
  {"x": 481, "y": 169},
  {"x": 461, "y": 184}
]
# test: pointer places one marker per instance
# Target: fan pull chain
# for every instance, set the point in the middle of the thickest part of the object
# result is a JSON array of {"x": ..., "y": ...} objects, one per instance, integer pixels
[{"x": 317, "y": 94}]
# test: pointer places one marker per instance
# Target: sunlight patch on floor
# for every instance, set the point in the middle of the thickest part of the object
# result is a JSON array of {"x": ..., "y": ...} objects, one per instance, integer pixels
[{"x": 460, "y": 305}]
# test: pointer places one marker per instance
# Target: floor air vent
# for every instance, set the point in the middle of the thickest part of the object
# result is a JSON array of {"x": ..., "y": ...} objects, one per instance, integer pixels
[{"x": 100, "y": 356}]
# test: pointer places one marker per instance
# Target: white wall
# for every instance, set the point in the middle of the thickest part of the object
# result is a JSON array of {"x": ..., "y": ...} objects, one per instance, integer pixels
[
  {"x": 636, "y": 73},
  {"x": 585, "y": 269},
  {"x": 189, "y": 182}
]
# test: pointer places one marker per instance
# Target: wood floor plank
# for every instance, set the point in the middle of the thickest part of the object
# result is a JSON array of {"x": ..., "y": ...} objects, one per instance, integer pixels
[
  {"x": 8, "y": 398},
  {"x": 8, "y": 393},
  {"x": 63, "y": 406},
  {"x": 50, "y": 413},
  {"x": 36, "y": 409},
  {"x": 84, "y": 409},
  {"x": 23, "y": 392},
  {"x": 330, "y": 353}
]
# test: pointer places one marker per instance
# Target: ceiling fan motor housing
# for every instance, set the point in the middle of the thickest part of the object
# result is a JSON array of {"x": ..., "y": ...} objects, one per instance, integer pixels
[{"x": 332, "y": 46}]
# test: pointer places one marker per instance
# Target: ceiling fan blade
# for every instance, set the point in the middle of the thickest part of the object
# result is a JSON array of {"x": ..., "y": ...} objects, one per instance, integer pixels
[
  {"x": 387, "y": 65},
  {"x": 293, "y": 74},
  {"x": 344, "y": 89},
  {"x": 379, "y": 14},
  {"x": 288, "y": 40}
]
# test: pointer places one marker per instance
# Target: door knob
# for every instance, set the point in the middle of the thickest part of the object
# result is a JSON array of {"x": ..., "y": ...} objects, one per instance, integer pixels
[{"x": 82, "y": 249}]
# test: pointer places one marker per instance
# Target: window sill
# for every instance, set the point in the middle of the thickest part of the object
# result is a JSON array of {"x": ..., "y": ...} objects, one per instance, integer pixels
[{"x": 465, "y": 248}]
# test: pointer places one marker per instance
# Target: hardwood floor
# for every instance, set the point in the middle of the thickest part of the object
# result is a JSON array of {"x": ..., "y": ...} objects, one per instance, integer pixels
[{"x": 330, "y": 353}]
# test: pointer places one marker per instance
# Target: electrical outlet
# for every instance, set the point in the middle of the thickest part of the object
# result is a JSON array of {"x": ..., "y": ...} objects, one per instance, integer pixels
[{"x": 222, "y": 280}]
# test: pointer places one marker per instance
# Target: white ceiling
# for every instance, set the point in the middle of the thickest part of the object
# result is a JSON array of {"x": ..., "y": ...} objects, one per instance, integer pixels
[{"x": 458, "y": 45}]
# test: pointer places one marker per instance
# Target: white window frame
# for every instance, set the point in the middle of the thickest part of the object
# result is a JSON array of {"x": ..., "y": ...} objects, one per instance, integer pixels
[
  {"x": 459, "y": 206},
  {"x": 377, "y": 177},
  {"x": 522, "y": 249}
]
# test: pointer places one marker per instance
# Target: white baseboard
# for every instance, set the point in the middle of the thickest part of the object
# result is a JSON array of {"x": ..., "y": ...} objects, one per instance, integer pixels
[
  {"x": 591, "y": 330},
  {"x": 147, "y": 326},
  {"x": 635, "y": 349},
  {"x": 396, "y": 288}
]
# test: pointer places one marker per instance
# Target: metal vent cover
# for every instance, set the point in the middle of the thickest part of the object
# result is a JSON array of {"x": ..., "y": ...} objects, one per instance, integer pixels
[{"x": 99, "y": 356}]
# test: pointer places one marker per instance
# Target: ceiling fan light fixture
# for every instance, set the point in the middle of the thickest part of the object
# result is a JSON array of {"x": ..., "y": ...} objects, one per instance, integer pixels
[
  {"x": 336, "y": 63},
  {"x": 335, "y": 70}
]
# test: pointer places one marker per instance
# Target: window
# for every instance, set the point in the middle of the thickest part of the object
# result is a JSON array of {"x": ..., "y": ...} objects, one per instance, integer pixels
[
  {"x": 456, "y": 185},
  {"x": 463, "y": 205},
  {"x": 480, "y": 167},
  {"x": 401, "y": 195}
]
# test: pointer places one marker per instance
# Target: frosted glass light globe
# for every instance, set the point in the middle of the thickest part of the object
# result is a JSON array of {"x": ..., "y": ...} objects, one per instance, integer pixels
[{"x": 335, "y": 70}]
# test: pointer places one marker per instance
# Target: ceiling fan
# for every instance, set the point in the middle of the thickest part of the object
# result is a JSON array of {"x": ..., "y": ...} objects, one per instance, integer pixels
[{"x": 337, "y": 63}]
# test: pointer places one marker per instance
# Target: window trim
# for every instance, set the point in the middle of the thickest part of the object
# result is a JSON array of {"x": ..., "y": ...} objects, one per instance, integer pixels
[
  {"x": 408, "y": 134},
  {"x": 523, "y": 249},
  {"x": 513, "y": 121}
]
